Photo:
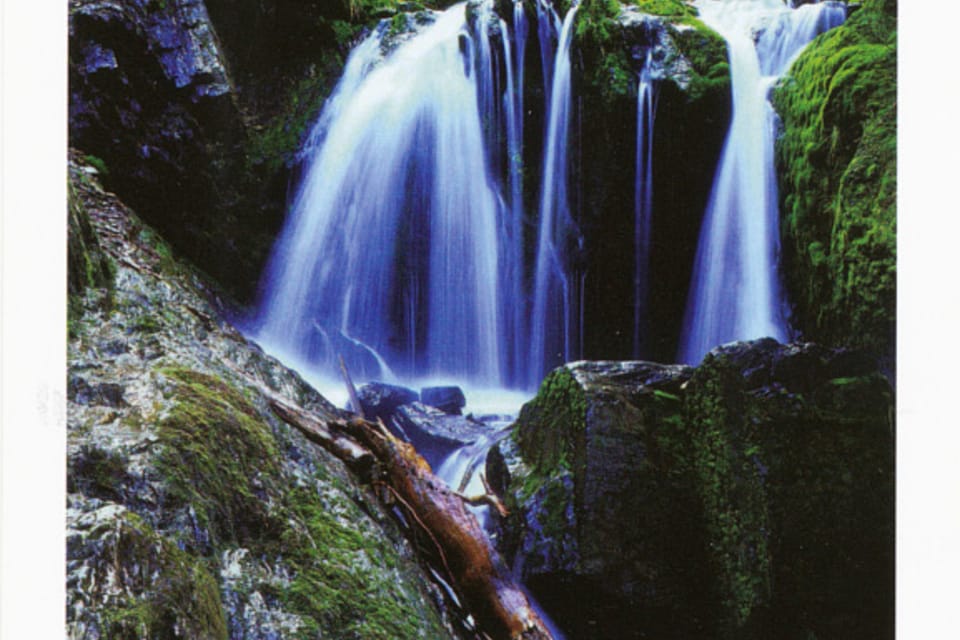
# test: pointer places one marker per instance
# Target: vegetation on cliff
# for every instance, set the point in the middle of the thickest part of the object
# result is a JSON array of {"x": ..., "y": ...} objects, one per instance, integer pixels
[{"x": 837, "y": 164}]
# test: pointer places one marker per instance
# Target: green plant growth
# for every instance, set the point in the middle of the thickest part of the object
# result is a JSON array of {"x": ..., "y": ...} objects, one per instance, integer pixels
[
  {"x": 98, "y": 164},
  {"x": 706, "y": 51},
  {"x": 219, "y": 457},
  {"x": 345, "y": 575},
  {"x": 837, "y": 161},
  {"x": 666, "y": 8},
  {"x": 732, "y": 498},
  {"x": 548, "y": 425},
  {"x": 275, "y": 143}
]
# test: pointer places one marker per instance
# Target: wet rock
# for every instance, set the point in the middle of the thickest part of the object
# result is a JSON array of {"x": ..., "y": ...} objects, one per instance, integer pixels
[
  {"x": 123, "y": 578},
  {"x": 447, "y": 399},
  {"x": 714, "y": 501},
  {"x": 435, "y": 434},
  {"x": 381, "y": 400},
  {"x": 688, "y": 66}
]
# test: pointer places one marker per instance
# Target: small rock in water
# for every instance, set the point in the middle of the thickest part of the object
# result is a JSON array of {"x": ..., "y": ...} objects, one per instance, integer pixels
[
  {"x": 448, "y": 399},
  {"x": 380, "y": 400}
]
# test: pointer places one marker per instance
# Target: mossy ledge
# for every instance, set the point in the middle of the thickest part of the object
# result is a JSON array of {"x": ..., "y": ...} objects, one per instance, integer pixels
[{"x": 837, "y": 165}]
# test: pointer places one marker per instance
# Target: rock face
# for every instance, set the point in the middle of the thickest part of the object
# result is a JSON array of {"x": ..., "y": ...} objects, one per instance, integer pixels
[
  {"x": 192, "y": 510},
  {"x": 692, "y": 85},
  {"x": 837, "y": 163},
  {"x": 435, "y": 434},
  {"x": 435, "y": 430},
  {"x": 750, "y": 497},
  {"x": 151, "y": 98}
]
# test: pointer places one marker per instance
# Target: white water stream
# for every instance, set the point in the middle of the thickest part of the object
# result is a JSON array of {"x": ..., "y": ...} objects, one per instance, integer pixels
[{"x": 735, "y": 293}]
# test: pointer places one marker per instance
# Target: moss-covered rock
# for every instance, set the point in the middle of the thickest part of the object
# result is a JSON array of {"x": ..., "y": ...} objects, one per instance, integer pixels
[
  {"x": 193, "y": 511},
  {"x": 751, "y": 497},
  {"x": 837, "y": 167}
]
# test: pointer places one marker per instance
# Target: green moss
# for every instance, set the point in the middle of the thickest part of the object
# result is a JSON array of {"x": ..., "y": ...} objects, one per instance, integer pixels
[
  {"x": 219, "y": 457},
  {"x": 275, "y": 143},
  {"x": 97, "y": 472},
  {"x": 706, "y": 51},
  {"x": 599, "y": 39},
  {"x": 344, "y": 575},
  {"x": 549, "y": 425},
  {"x": 837, "y": 162},
  {"x": 169, "y": 595},
  {"x": 398, "y": 24},
  {"x": 732, "y": 498},
  {"x": 668, "y": 8},
  {"x": 98, "y": 164}
]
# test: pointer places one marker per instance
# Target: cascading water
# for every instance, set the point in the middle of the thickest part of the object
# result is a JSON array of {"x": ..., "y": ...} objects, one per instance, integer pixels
[
  {"x": 643, "y": 206},
  {"x": 555, "y": 310},
  {"x": 548, "y": 27},
  {"x": 512, "y": 228},
  {"x": 735, "y": 292},
  {"x": 462, "y": 471},
  {"x": 401, "y": 163}
]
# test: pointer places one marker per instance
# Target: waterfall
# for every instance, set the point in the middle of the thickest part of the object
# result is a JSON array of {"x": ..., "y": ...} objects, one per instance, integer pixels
[
  {"x": 488, "y": 81},
  {"x": 512, "y": 229},
  {"x": 735, "y": 292},
  {"x": 520, "y": 35},
  {"x": 548, "y": 26},
  {"x": 643, "y": 207},
  {"x": 555, "y": 318},
  {"x": 401, "y": 163}
]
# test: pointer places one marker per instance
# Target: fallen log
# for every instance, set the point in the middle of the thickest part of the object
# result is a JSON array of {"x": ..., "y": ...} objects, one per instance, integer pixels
[{"x": 460, "y": 549}]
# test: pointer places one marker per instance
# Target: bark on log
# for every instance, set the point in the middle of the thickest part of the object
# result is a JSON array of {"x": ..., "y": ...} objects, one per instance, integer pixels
[{"x": 462, "y": 552}]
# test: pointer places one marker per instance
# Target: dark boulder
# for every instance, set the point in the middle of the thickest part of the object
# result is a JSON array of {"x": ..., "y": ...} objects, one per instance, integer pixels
[
  {"x": 447, "y": 399},
  {"x": 381, "y": 400},
  {"x": 750, "y": 497}
]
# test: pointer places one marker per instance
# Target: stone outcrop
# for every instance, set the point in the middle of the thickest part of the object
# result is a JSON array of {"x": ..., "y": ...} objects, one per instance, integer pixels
[
  {"x": 192, "y": 509},
  {"x": 154, "y": 105},
  {"x": 750, "y": 497},
  {"x": 692, "y": 88}
]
